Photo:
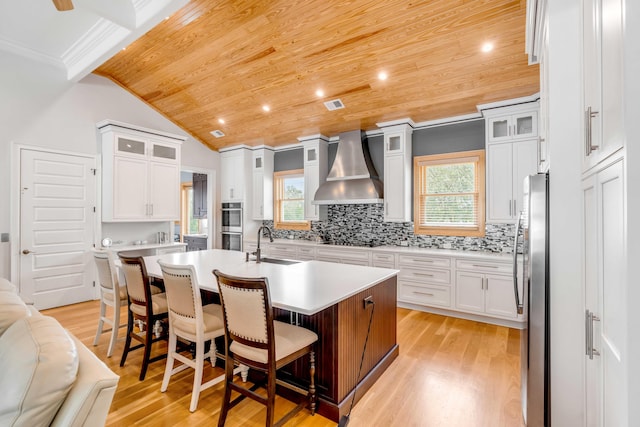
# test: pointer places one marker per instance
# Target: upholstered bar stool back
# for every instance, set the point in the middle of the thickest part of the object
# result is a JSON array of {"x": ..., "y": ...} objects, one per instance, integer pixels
[
  {"x": 144, "y": 305},
  {"x": 111, "y": 294},
  {"x": 255, "y": 339},
  {"x": 191, "y": 321}
]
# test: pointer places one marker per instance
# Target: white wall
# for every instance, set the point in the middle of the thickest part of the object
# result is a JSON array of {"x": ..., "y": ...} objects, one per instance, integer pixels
[{"x": 37, "y": 109}]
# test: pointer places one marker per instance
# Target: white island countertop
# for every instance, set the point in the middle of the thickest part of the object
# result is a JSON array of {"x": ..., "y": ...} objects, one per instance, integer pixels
[{"x": 306, "y": 287}]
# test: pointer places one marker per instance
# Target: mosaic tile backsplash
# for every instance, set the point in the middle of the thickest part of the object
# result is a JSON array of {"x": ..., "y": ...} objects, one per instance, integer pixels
[{"x": 363, "y": 225}]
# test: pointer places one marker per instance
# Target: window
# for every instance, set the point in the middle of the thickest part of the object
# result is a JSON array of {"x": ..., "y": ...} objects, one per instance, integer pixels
[
  {"x": 449, "y": 194},
  {"x": 288, "y": 209}
]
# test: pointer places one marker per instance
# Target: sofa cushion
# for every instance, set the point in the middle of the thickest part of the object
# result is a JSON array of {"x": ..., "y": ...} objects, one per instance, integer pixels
[
  {"x": 39, "y": 365},
  {"x": 12, "y": 307}
]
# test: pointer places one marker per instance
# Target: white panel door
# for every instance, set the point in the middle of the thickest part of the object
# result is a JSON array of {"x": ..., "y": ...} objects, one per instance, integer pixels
[
  {"x": 394, "y": 206},
  {"x": 500, "y": 183},
  {"x": 130, "y": 188},
  {"x": 164, "y": 191},
  {"x": 470, "y": 292},
  {"x": 612, "y": 295},
  {"x": 499, "y": 296},
  {"x": 593, "y": 367},
  {"x": 525, "y": 163},
  {"x": 57, "y": 220}
]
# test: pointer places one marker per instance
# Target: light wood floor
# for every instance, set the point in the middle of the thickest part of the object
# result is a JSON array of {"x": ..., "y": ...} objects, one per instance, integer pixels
[{"x": 450, "y": 372}]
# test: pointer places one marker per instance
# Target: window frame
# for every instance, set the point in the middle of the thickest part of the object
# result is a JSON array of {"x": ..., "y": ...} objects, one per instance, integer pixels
[
  {"x": 476, "y": 230},
  {"x": 278, "y": 191}
]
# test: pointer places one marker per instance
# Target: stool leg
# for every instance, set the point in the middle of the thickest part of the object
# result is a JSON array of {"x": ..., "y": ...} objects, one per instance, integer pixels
[
  {"x": 127, "y": 342},
  {"x": 312, "y": 383},
  {"x": 103, "y": 310},
  {"x": 147, "y": 349}
]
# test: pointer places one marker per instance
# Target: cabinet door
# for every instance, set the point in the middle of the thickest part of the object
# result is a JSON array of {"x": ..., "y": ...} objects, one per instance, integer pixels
[
  {"x": 258, "y": 195},
  {"x": 130, "y": 188},
  {"x": 199, "y": 195},
  {"x": 499, "y": 296},
  {"x": 126, "y": 145},
  {"x": 603, "y": 25},
  {"x": 499, "y": 128},
  {"x": 593, "y": 367},
  {"x": 311, "y": 183},
  {"x": 524, "y": 125},
  {"x": 394, "y": 189},
  {"x": 611, "y": 332},
  {"x": 232, "y": 183},
  {"x": 499, "y": 183},
  {"x": 164, "y": 191},
  {"x": 470, "y": 291},
  {"x": 525, "y": 162}
]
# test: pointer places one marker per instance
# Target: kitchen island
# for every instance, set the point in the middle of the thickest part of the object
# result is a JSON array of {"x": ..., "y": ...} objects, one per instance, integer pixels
[{"x": 327, "y": 298}]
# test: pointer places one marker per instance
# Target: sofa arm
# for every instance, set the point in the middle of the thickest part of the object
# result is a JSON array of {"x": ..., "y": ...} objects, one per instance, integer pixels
[{"x": 89, "y": 400}]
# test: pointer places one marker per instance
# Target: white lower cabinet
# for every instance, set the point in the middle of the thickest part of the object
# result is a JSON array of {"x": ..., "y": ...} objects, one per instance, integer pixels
[
  {"x": 481, "y": 285},
  {"x": 423, "y": 294},
  {"x": 425, "y": 280},
  {"x": 485, "y": 293}
]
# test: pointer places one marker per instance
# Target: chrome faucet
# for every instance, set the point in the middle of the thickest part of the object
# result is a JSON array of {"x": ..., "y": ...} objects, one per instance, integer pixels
[{"x": 257, "y": 252}]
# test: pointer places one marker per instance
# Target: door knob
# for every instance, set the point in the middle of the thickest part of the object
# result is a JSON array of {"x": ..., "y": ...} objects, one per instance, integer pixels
[{"x": 27, "y": 252}]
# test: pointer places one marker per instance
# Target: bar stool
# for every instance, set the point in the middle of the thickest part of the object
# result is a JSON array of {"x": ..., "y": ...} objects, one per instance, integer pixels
[
  {"x": 191, "y": 321},
  {"x": 112, "y": 294},
  {"x": 255, "y": 339},
  {"x": 143, "y": 306}
]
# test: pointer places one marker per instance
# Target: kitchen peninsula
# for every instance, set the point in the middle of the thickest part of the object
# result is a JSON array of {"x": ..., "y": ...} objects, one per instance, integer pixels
[{"x": 327, "y": 298}]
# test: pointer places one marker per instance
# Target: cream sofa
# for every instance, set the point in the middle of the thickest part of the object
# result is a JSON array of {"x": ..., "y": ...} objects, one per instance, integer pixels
[{"x": 48, "y": 377}]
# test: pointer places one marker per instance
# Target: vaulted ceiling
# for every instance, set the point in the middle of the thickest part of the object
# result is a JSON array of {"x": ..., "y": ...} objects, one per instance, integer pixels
[{"x": 223, "y": 60}]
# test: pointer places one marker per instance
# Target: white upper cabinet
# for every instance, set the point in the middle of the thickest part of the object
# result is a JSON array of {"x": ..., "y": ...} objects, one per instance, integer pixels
[
  {"x": 397, "y": 172},
  {"x": 514, "y": 126},
  {"x": 262, "y": 169},
  {"x": 602, "y": 79},
  {"x": 140, "y": 173},
  {"x": 316, "y": 158},
  {"x": 235, "y": 176},
  {"x": 509, "y": 159}
]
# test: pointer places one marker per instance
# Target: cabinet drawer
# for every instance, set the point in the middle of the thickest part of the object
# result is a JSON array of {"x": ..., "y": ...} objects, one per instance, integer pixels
[
  {"x": 431, "y": 275},
  {"x": 281, "y": 251},
  {"x": 484, "y": 266},
  {"x": 420, "y": 261},
  {"x": 427, "y": 295},
  {"x": 388, "y": 259},
  {"x": 342, "y": 254},
  {"x": 309, "y": 253}
]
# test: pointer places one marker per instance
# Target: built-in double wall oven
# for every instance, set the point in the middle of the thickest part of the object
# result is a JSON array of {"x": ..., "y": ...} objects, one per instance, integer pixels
[{"x": 232, "y": 226}]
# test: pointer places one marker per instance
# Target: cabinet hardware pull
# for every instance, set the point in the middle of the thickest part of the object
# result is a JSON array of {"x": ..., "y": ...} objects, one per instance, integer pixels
[
  {"x": 424, "y": 293},
  {"x": 510, "y": 208},
  {"x": 484, "y": 266},
  {"x": 589, "y": 114},
  {"x": 415, "y": 273},
  {"x": 422, "y": 260},
  {"x": 514, "y": 207},
  {"x": 590, "y": 317}
]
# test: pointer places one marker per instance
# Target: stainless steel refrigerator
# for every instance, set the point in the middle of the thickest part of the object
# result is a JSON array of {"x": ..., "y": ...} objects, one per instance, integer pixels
[{"x": 531, "y": 288}]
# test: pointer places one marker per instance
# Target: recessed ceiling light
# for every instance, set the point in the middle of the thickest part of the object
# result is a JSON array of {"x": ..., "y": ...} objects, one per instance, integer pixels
[
  {"x": 221, "y": 121},
  {"x": 319, "y": 93},
  {"x": 266, "y": 108},
  {"x": 382, "y": 75},
  {"x": 217, "y": 133},
  {"x": 487, "y": 47},
  {"x": 124, "y": 48},
  {"x": 166, "y": 18}
]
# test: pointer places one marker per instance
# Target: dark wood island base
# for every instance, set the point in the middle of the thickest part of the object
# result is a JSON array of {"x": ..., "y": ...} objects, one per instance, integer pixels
[{"x": 342, "y": 330}]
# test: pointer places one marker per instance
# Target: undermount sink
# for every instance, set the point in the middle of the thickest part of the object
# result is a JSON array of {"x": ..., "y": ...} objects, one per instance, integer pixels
[{"x": 278, "y": 261}]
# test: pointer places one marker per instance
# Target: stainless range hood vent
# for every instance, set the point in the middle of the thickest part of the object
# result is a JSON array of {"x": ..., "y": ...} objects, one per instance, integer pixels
[{"x": 353, "y": 178}]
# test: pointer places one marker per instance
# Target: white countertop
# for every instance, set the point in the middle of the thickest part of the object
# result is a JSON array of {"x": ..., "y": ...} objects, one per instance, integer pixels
[
  {"x": 396, "y": 249},
  {"x": 118, "y": 248},
  {"x": 306, "y": 287}
]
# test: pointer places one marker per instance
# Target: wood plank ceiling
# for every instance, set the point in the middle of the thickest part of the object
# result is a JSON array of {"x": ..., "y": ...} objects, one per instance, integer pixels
[{"x": 225, "y": 59}]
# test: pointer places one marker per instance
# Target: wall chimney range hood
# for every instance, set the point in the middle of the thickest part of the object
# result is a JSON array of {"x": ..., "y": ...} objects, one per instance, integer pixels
[{"x": 352, "y": 178}]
